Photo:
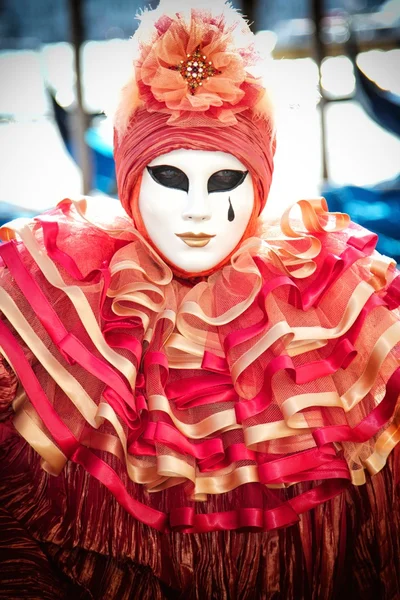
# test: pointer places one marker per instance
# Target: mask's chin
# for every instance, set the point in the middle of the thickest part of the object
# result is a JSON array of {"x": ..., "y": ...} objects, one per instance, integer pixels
[{"x": 189, "y": 263}]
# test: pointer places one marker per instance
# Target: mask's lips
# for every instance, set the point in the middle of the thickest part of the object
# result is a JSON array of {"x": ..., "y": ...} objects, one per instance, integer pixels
[{"x": 195, "y": 240}]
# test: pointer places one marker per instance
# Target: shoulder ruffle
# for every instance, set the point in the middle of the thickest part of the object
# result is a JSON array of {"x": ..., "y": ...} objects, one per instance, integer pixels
[{"x": 281, "y": 368}]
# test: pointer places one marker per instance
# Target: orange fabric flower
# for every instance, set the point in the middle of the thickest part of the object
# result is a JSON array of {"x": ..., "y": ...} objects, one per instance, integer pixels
[{"x": 232, "y": 89}]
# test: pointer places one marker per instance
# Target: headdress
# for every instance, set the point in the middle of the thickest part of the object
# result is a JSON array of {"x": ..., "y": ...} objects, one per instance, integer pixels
[{"x": 192, "y": 86}]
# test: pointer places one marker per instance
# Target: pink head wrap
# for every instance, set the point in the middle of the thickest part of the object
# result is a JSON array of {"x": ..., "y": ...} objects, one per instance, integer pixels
[
  {"x": 148, "y": 136},
  {"x": 192, "y": 88}
]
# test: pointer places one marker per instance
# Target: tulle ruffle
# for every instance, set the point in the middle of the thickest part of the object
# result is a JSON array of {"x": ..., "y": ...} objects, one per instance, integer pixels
[{"x": 280, "y": 368}]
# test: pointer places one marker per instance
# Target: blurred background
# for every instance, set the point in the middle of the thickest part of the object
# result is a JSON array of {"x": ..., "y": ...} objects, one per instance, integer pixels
[{"x": 334, "y": 65}]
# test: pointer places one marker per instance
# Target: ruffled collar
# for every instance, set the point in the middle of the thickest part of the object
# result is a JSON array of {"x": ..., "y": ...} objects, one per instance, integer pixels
[{"x": 216, "y": 384}]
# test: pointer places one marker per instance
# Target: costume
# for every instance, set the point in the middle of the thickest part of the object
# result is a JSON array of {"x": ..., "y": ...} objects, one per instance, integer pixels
[{"x": 209, "y": 435}]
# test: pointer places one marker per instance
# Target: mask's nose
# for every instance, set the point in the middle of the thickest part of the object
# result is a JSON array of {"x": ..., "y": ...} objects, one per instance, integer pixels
[{"x": 198, "y": 206}]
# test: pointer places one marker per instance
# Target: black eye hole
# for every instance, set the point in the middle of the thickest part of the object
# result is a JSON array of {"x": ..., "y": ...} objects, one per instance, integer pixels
[
  {"x": 170, "y": 177},
  {"x": 225, "y": 181}
]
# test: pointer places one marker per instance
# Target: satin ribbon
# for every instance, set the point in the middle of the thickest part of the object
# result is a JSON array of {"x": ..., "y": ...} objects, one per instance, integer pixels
[
  {"x": 68, "y": 443},
  {"x": 79, "y": 301},
  {"x": 370, "y": 425},
  {"x": 316, "y": 218},
  {"x": 186, "y": 520}
]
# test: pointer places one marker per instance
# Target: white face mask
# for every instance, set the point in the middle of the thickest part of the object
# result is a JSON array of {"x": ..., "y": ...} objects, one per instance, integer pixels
[{"x": 195, "y": 206}]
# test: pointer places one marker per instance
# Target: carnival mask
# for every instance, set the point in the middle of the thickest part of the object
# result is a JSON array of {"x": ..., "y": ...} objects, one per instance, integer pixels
[{"x": 195, "y": 206}]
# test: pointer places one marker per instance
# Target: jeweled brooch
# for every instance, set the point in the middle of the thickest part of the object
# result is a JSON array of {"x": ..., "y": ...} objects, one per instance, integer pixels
[{"x": 196, "y": 69}]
